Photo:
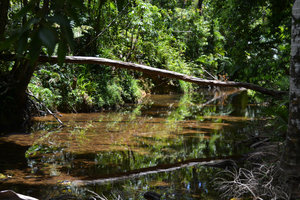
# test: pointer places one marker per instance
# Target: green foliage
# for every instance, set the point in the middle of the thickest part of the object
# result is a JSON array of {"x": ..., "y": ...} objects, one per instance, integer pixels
[
  {"x": 257, "y": 39},
  {"x": 171, "y": 39},
  {"x": 37, "y": 25},
  {"x": 43, "y": 86},
  {"x": 235, "y": 40},
  {"x": 60, "y": 89}
]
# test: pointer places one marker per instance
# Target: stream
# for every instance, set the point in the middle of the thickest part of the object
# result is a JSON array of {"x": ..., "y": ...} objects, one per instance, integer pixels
[{"x": 160, "y": 145}]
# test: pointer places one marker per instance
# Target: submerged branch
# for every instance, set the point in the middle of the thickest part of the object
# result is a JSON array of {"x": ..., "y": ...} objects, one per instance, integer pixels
[{"x": 209, "y": 162}]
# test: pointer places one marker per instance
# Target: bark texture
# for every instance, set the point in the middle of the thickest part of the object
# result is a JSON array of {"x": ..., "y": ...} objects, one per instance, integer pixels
[
  {"x": 160, "y": 72},
  {"x": 291, "y": 156}
]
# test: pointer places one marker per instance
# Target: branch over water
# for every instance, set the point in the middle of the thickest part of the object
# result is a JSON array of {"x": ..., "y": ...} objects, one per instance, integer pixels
[{"x": 153, "y": 71}]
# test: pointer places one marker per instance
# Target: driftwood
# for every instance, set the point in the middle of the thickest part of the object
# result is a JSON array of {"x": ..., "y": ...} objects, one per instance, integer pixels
[{"x": 160, "y": 72}]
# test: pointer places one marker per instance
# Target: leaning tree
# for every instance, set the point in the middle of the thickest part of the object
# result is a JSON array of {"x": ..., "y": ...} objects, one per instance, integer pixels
[{"x": 33, "y": 26}]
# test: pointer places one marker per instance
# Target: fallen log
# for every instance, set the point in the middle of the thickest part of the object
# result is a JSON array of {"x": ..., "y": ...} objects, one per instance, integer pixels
[
  {"x": 160, "y": 72},
  {"x": 152, "y": 71}
]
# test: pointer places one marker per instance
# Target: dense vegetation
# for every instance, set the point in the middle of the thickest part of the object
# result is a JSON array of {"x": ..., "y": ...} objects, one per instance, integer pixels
[
  {"x": 227, "y": 40},
  {"x": 238, "y": 40}
]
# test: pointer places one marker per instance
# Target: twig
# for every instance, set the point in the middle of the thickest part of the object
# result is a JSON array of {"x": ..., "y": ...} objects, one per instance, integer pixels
[
  {"x": 214, "y": 77},
  {"x": 261, "y": 182},
  {"x": 47, "y": 109},
  {"x": 106, "y": 26}
]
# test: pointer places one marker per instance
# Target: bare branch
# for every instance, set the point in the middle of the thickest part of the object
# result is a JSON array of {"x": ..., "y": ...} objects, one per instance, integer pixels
[
  {"x": 47, "y": 109},
  {"x": 160, "y": 72}
]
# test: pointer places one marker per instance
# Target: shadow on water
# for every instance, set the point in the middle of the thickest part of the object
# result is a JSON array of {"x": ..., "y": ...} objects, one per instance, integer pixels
[{"x": 160, "y": 145}]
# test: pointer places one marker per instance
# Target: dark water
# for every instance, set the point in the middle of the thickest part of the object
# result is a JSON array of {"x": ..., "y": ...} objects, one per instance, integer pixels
[{"x": 159, "y": 145}]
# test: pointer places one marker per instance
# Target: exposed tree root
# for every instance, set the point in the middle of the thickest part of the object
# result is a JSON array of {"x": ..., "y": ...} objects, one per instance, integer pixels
[
  {"x": 263, "y": 181},
  {"x": 260, "y": 178}
]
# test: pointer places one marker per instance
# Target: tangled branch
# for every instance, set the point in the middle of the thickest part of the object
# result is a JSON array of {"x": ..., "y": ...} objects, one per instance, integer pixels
[{"x": 261, "y": 182}]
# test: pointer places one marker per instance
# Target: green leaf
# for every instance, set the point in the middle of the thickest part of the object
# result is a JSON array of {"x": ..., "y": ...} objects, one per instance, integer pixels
[
  {"x": 112, "y": 6},
  {"x": 68, "y": 34},
  {"x": 61, "y": 52},
  {"x": 65, "y": 27},
  {"x": 25, "y": 10},
  {"x": 22, "y": 43},
  {"x": 48, "y": 38},
  {"x": 59, "y": 19},
  {"x": 34, "y": 47},
  {"x": 4, "y": 45}
]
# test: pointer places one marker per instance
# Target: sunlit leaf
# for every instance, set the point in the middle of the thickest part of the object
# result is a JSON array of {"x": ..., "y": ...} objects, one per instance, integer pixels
[
  {"x": 25, "y": 10},
  {"x": 112, "y": 6}
]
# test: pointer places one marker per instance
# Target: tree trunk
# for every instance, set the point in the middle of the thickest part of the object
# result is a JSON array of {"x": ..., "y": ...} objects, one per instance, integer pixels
[
  {"x": 4, "y": 4},
  {"x": 152, "y": 71},
  {"x": 291, "y": 156},
  {"x": 14, "y": 113}
]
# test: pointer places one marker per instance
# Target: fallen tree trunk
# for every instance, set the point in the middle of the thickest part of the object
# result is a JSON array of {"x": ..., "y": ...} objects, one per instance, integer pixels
[
  {"x": 153, "y": 71},
  {"x": 160, "y": 72}
]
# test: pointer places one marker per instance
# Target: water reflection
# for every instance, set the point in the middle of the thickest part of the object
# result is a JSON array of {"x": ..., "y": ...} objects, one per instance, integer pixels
[{"x": 162, "y": 132}]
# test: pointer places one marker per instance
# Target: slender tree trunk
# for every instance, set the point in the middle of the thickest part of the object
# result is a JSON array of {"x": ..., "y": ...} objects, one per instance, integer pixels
[
  {"x": 13, "y": 84},
  {"x": 4, "y": 5},
  {"x": 199, "y": 5},
  {"x": 291, "y": 156}
]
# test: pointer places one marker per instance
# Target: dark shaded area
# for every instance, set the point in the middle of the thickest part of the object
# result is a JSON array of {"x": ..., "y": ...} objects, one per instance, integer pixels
[{"x": 12, "y": 156}]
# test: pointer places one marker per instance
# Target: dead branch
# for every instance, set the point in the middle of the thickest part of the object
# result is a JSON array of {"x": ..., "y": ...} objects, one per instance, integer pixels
[
  {"x": 263, "y": 181},
  {"x": 152, "y": 71},
  {"x": 160, "y": 72},
  {"x": 47, "y": 109}
]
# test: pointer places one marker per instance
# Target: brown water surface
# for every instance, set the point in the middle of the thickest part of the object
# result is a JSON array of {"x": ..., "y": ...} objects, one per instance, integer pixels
[{"x": 158, "y": 145}]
